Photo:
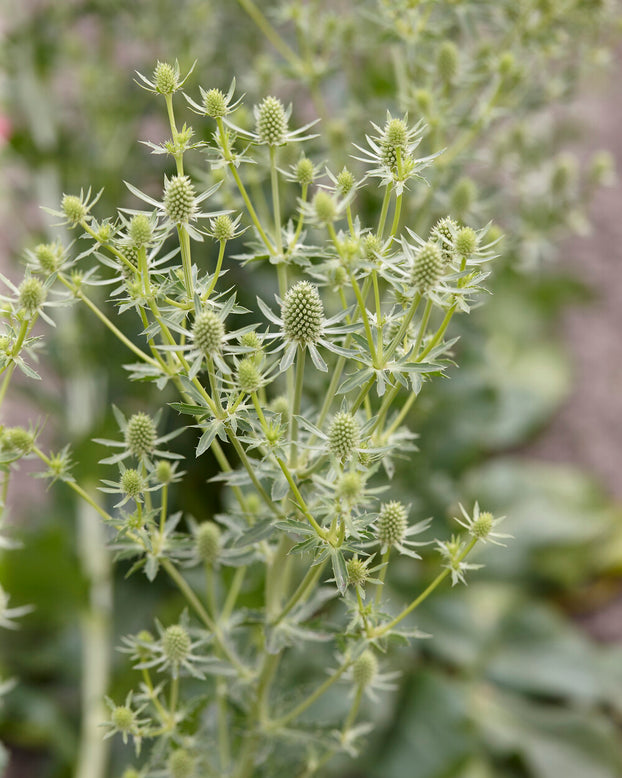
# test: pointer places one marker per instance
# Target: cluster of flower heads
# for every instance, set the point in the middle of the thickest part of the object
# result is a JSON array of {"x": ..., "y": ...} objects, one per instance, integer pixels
[{"x": 305, "y": 470}]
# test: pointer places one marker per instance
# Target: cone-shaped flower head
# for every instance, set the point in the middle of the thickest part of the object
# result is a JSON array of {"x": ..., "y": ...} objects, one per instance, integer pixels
[
  {"x": 303, "y": 313},
  {"x": 343, "y": 435},
  {"x": 427, "y": 267},
  {"x": 208, "y": 332}
]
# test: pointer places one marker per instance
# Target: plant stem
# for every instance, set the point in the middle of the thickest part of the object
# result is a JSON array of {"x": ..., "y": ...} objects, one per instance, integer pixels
[
  {"x": 308, "y": 582},
  {"x": 276, "y": 206},
  {"x": 251, "y": 473},
  {"x": 293, "y": 427},
  {"x": 382, "y": 575},
  {"x": 233, "y": 593},
  {"x": 423, "y": 326},
  {"x": 380, "y": 631},
  {"x": 271, "y": 34},
  {"x": 241, "y": 188},
  {"x": 221, "y": 254},
  {"x": 384, "y": 210},
  {"x": 299, "y": 499},
  {"x": 282, "y": 721},
  {"x": 403, "y": 327},
  {"x": 193, "y": 600},
  {"x": 77, "y": 489},
  {"x": 103, "y": 318},
  {"x": 439, "y": 334},
  {"x": 186, "y": 260}
]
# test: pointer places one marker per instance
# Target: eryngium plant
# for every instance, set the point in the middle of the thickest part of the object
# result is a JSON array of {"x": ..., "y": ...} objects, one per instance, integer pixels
[{"x": 305, "y": 446}]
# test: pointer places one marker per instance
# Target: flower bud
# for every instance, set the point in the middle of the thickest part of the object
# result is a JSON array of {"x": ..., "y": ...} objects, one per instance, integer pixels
[
  {"x": 140, "y": 434},
  {"x": 123, "y": 718},
  {"x": 271, "y": 121},
  {"x": 507, "y": 65},
  {"x": 303, "y": 313},
  {"x": 357, "y": 571},
  {"x": 371, "y": 246},
  {"x": 339, "y": 276},
  {"x": 602, "y": 169},
  {"x": 324, "y": 207},
  {"x": 181, "y": 764},
  {"x": 31, "y": 295},
  {"x": 208, "y": 542},
  {"x": 364, "y": 669},
  {"x": 343, "y": 435},
  {"x": 482, "y": 525},
  {"x": 249, "y": 377},
  {"x": 105, "y": 232},
  {"x": 208, "y": 332},
  {"x": 280, "y": 405},
  {"x": 427, "y": 267},
  {"x": 48, "y": 257},
  {"x": 392, "y": 523},
  {"x": 176, "y": 643},
  {"x": 18, "y": 439},
  {"x": 144, "y": 644},
  {"x": 345, "y": 182},
  {"x": 215, "y": 103},
  {"x": 222, "y": 228},
  {"x": 165, "y": 78},
  {"x": 164, "y": 471},
  {"x": 251, "y": 340},
  {"x": 73, "y": 208},
  {"x": 304, "y": 171},
  {"x": 140, "y": 230},
  {"x": 444, "y": 234},
  {"x": 132, "y": 483},
  {"x": 423, "y": 99},
  {"x": 564, "y": 174},
  {"x": 179, "y": 199},
  {"x": 463, "y": 196},
  {"x": 394, "y": 143},
  {"x": 466, "y": 241},
  {"x": 447, "y": 61},
  {"x": 350, "y": 486}
]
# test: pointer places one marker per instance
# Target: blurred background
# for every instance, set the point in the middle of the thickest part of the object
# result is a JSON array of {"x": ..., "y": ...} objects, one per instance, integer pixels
[{"x": 523, "y": 676}]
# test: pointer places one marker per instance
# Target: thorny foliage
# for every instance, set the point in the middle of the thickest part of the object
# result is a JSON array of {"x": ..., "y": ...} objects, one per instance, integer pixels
[{"x": 305, "y": 447}]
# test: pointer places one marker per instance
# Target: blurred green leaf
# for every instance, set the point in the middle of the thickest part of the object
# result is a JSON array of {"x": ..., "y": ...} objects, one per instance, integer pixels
[{"x": 551, "y": 741}]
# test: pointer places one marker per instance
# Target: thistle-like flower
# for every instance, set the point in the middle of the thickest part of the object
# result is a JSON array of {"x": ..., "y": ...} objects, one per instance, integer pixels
[
  {"x": 75, "y": 208},
  {"x": 481, "y": 525},
  {"x": 208, "y": 539},
  {"x": 175, "y": 650},
  {"x": 392, "y": 530},
  {"x": 208, "y": 332},
  {"x": 166, "y": 78},
  {"x": 392, "y": 151},
  {"x": 427, "y": 267},
  {"x": 180, "y": 203},
  {"x": 125, "y": 720},
  {"x": 303, "y": 325},
  {"x": 140, "y": 439},
  {"x": 272, "y": 125},
  {"x": 344, "y": 435},
  {"x": 364, "y": 674},
  {"x": 453, "y": 551},
  {"x": 215, "y": 103}
]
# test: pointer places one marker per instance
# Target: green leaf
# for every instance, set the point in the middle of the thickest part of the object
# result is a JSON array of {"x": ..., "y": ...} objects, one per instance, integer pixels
[
  {"x": 339, "y": 570},
  {"x": 551, "y": 741},
  {"x": 191, "y": 410}
]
